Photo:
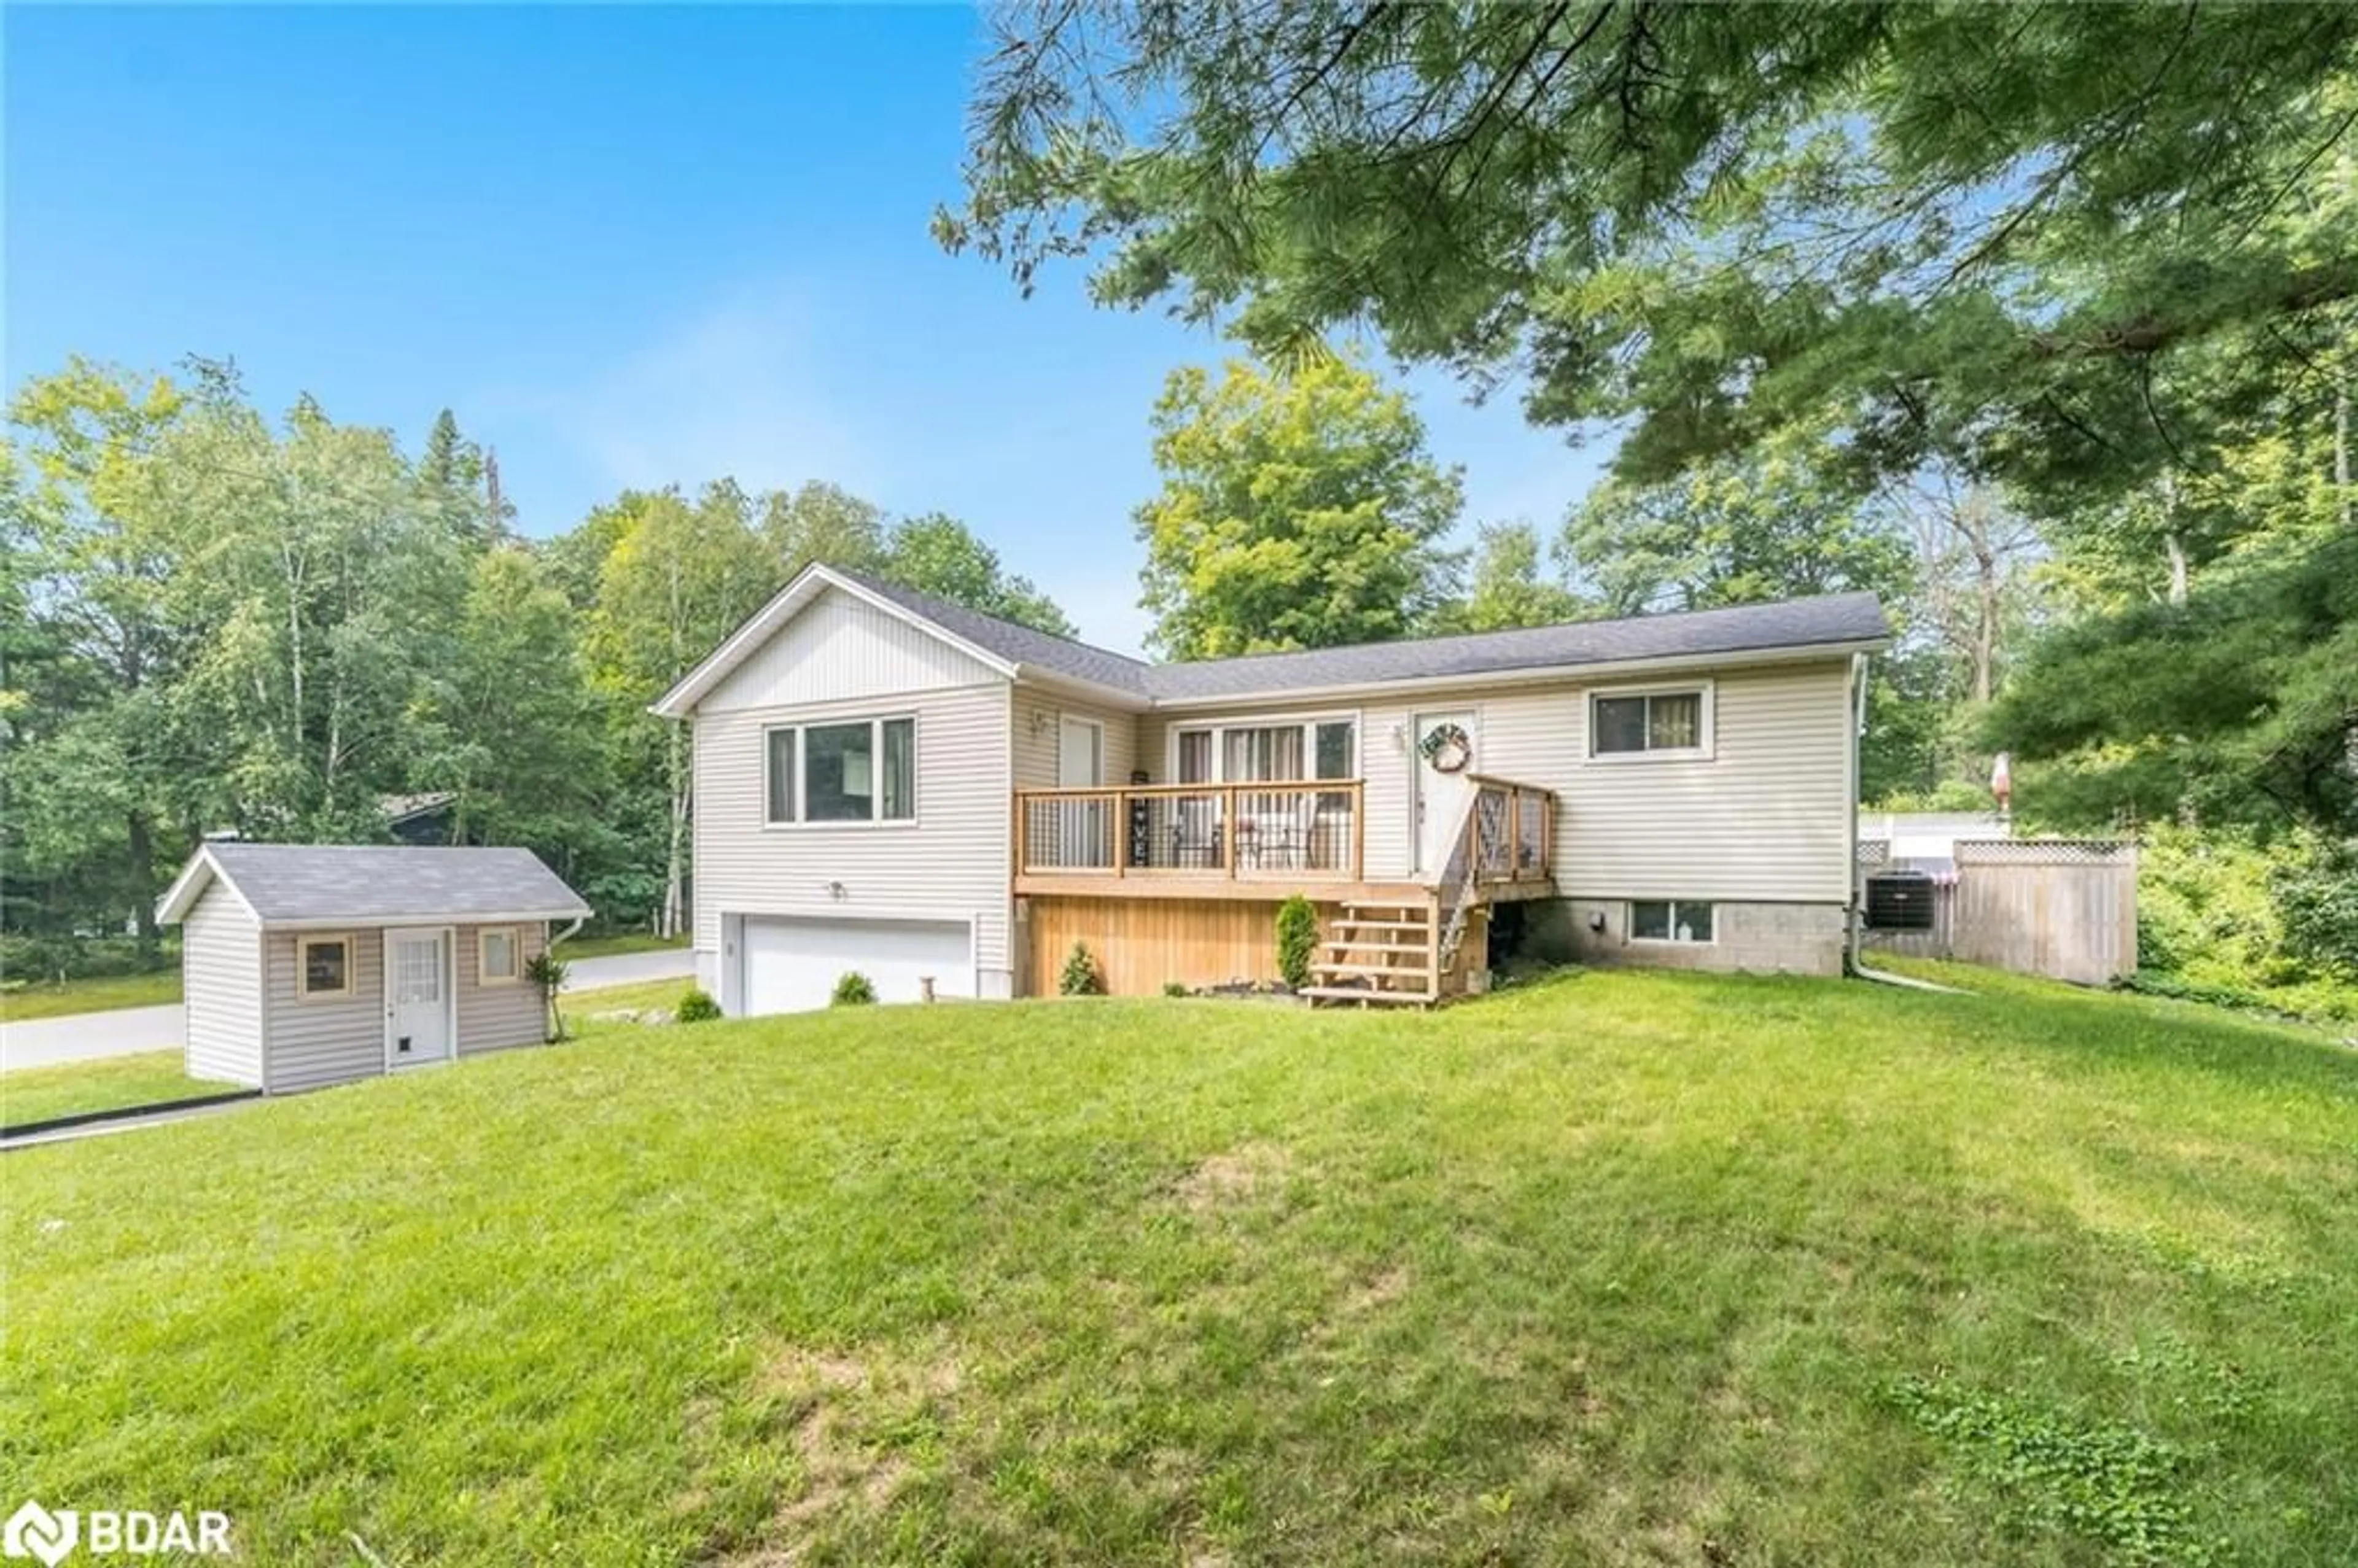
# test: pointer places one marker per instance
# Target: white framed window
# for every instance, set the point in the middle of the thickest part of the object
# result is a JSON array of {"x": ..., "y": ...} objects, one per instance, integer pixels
[
  {"x": 778, "y": 775},
  {"x": 844, "y": 772},
  {"x": 1658, "y": 722},
  {"x": 497, "y": 959},
  {"x": 323, "y": 968},
  {"x": 1670, "y": 920},
  {"x": 1268, "y": 751}
]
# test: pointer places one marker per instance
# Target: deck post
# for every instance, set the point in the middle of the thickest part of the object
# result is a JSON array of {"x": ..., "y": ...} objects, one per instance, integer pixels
[
  {"x": 1022, "y": 835},
  {"x": 1474, "y": 843},
  {"x": 1358, "y": 830},
  {"x": 1121, "y": 833},
  {"x": 1228, "y": 828}
]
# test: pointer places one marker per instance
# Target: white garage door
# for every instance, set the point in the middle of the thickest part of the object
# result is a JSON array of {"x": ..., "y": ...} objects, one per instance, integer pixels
[{"x": 792, "y": 965}]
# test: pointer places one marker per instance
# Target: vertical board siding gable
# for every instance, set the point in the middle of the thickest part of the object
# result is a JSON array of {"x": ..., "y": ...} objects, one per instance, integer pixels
[{"x": 840, "y": 647}]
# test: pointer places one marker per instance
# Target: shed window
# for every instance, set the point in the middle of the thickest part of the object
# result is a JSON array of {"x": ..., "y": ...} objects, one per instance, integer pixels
[
  {"x": 1676, "y": 723},
  {"x": 323, "y": 966},
  {"x": 496, "y": 955},
  {"x": 1670, "y": 920}
]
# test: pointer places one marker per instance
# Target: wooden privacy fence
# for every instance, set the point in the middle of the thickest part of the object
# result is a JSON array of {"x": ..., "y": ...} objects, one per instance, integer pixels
[{"x": 2065, "y": 908}]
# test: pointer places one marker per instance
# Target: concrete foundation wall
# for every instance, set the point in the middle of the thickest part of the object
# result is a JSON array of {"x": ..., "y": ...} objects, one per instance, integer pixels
[{"x": 1764, "y": 938}]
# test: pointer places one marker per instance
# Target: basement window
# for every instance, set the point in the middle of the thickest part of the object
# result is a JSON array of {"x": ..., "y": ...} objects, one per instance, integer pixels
[{"x": 1670, "y": 920}]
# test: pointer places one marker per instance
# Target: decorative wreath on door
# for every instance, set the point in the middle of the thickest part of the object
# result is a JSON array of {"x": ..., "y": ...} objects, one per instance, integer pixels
[{"x": 1447, "y": 748}]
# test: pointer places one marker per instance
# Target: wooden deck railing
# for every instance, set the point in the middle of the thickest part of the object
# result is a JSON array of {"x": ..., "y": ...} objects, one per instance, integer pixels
[
  {"x": 1512, "y": 831},
  {"x": 1312, "y": 828}
]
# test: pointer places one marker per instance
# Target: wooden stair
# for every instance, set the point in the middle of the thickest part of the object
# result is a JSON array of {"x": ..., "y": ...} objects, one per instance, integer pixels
[{"x": 1378, "y": 954}]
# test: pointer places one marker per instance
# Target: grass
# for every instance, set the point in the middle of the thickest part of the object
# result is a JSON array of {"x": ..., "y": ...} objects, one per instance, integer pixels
[
  {"x": 574, "y": 947},
  {"x": 582, "y": 1008},
  {"x": 64, "y": 998},
  {"x": 61, "y": 999},
  {"x": 1618, "y": 1268},
  {"x": 150, "y": 1077}
]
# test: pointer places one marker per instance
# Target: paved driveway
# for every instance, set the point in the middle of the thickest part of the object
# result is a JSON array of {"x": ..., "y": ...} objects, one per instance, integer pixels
[{"x": 86, "y": 1037}]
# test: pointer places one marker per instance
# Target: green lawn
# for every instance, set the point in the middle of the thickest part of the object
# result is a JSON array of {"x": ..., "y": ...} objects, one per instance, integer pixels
[
  {"x": 582, "y": 1009},
  {"x": 59, "y": 998},
  {"x": 1616, "y": 1269},
  {"x": 151, "y": 1078},
  {"x": 608, "y": 946}
]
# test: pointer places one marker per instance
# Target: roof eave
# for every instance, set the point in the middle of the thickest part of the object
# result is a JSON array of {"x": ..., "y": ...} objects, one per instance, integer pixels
[
  {"x": 1044, "y": 678},
  {"x": 1534, "y": 674},
  {"x": 393, "y": 922}
]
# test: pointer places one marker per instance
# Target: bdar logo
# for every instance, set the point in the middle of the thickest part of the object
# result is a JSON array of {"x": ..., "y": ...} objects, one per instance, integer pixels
[{"x": 34, "y": 1531}]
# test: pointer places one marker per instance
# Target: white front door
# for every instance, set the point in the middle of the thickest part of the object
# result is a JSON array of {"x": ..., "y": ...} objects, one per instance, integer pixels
[
  {"x": 1080, "y": 754},
  {"x": 1421, "y": 774},
  {"x": 1081, "y": 826},
  {"x": 417, "y": 998}
]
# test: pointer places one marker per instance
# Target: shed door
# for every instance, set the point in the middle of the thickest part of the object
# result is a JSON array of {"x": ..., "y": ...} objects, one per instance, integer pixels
[
  {"x": 417, "y": 997},
  {"x": 791, "y": 966}
]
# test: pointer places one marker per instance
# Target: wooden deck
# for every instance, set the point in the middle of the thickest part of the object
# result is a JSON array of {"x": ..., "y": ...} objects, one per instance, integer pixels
[
  {"x": 1263, "y": 842},
  {"x": 1175, "y": 883}
]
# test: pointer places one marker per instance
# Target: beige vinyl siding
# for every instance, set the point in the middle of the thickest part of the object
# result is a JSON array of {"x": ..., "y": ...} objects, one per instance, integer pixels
[
  {"x": 1038, "y": 724},
  {"x": 951, "y": 863},
  {"x": 1766, "y": 817},
  {"x": 843, "y": 647},
  {"x": 318, "y": 1041},
  {"x": 221, "y": 964},
  {"x": 494, "y": 1018}
]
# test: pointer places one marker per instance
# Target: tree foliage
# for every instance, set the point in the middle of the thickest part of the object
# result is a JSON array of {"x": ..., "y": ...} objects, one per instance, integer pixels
[
  {"x": 1506, "y": 587},
  {"x": 211, "y": 620},
  {"x": 939, "y": 555},
  {"x": 1735, "y": 531},
  {"x": 1298, "y": 510},
  {"x": 1930, "y": 229}
]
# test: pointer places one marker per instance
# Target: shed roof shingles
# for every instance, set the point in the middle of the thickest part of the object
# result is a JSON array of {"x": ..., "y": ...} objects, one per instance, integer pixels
[
  {"x": 1825, "y": 621},
  {"x": 369, "y": 882}
]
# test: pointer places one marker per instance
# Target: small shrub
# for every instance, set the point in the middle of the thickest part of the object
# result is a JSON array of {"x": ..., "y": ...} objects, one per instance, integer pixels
[
  {"x": 1297, "y": 940},
  {"x": 697, "y": 1006},
  {"x": 1173, "y": 988},
  {"x": 1081, "y": 976},
  {"x": 852, "y": 991},
  {"x": 548, "y": 972}
]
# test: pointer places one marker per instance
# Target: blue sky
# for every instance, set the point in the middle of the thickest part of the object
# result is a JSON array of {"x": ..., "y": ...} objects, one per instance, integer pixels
[{"x": 628, "y": 247}]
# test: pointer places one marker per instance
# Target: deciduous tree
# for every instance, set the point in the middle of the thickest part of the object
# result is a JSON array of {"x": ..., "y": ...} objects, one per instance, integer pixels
[{"x": 1301, "y": 510}]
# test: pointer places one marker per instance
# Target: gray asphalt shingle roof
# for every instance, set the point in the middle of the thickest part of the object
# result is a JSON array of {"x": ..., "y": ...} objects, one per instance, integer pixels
[
  {"x": 1825, "y": 621},
  {"x": 1828, "y": 619},
  {"x": 365, "y": 882},
  {"x": 1019, "y": 644}
]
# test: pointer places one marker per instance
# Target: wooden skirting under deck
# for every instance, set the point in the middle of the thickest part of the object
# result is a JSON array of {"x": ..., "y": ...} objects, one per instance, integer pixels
[{"x": 1144, "y": 944}]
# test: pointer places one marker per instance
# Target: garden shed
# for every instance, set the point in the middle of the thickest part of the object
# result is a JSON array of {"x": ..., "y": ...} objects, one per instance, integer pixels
[{"x": 306, "y": 965}]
